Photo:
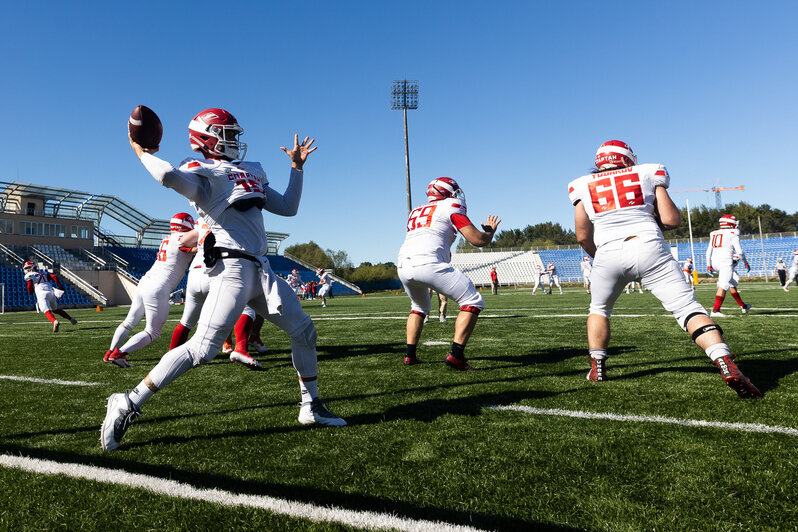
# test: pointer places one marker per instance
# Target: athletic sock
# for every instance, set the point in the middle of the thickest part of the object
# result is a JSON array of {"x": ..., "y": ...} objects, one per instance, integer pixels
[
  {"x": 458, "y": 351},
  {"x": 308, "y": 388},
  {"x": 738, "y": 299},
  {"x": 179, "y": 336},
  {"x": 49, "y": 316},
  {"x": 141, "y": 393},
  {"x": 598, "y": 354},
  {"x": 718, "y": 302},
  {"x": 242, "y": 329},
  {"x": 716, "y": 351},
  {"x": 411, "y": 351},
  {"x": 63, "y": 313}
]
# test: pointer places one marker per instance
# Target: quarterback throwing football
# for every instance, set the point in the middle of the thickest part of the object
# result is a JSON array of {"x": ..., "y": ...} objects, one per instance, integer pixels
[
  {"x": 620, "y": 208},
  {"x": 229, "y": 194},
  {"x": 424, "y": 263}
]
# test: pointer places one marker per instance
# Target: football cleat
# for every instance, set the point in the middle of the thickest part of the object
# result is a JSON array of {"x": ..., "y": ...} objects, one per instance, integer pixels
[
  {"x": 442, "y": 319},
  {"x": 598, "y": 371},
  {"x": 107, "y": 355},
  {"x": 786, "y": 289},
  {"x": 119, "y": 358},
  {"x": 315, "y": 412},
  {"x": 735, "y": 379},
  {"x": 456, "y": 363},
  {"x": 227, "y": 347},
  {"x": 118, "y": 417},
  {"x": 257, "y": 345},
  {"x": 245, "y": 359},
  {"x": 744, "y": 309},
  {"x": 56, "y": 325},
  {"x": 411, "y": 361},
  {"x": 717, "y": 314}
]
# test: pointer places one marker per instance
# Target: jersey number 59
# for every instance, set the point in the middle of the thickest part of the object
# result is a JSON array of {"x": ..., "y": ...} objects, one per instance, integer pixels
[{"x": 421, "y": 217}]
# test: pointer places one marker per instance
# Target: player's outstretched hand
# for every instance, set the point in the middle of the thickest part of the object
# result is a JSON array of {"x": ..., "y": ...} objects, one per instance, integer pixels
[
  {"x": 299, "y": 154},
  {"x": 491, "y": 225},
  {"x": 138, "y": 149}
]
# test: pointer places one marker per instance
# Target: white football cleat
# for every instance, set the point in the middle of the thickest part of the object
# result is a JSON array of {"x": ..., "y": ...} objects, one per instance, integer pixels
[
  {"x": 717, "y": 314},
  {"x": 245, "y": 359},
  {"x": 120, "y": 414},
  {"x": 442, "y": 319},
  {"x": 786, "y": 289},
  {"x": 316, "y": 413},
  {"x": 744, "y": 309},
  {"x": 56, "y": 325},
  {"x": 258, "y": 346}
]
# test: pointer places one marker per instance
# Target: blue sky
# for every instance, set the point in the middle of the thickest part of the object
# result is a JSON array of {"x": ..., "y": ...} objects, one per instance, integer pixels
[{"x": 515, "y": 97}]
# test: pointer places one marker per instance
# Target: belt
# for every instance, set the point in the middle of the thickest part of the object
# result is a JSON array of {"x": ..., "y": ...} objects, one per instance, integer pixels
[{"x": 225, "y": 253}]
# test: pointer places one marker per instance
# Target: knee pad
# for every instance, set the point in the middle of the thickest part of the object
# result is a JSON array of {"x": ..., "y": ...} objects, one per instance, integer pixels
[
  {"x": 306, "y": 337},
  {"x": 705, "y": 329}
]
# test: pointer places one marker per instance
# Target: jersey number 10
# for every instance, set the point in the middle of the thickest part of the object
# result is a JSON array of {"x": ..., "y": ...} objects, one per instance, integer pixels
[{"x": 626, "y": 187}]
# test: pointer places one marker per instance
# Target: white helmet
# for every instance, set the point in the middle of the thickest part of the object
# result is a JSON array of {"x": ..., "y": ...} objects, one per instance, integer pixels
[
  {"x": 615, "y": 154},
  {"x": 215, "y": 133},
  {"x": 29, "y": 266},
  {"x": 729, "y": 221}
]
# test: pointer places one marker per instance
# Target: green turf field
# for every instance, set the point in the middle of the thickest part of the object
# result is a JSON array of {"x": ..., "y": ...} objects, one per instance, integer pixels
[{"x": 423, "y": 442}]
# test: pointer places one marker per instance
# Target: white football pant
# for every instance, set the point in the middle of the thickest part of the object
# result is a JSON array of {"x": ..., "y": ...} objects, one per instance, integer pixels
[
  {"x": 442, "y": 278},
  {"x": 650, "y": 261},
  {"x": 151, "y": 301}
]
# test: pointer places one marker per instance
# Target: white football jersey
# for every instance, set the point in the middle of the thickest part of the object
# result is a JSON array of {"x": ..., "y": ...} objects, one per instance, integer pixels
[
  {"x": 794, "y": 262},
  {"x": 586, "y": 267},
  {"x": 293, "y": 280},
  {"x": 170, "y": 263},
  {"x": 620, "y": 203},
  {"x": 723, "y": 244},
  {"x": 325, "y": 278},
  {"x": 431, "y": 230},
  {"x": 41, "y": 281},
  {"x": 688, "y": 266},
  {"x": 231, "y": 182},
  {"x": 551, "y": 269}
]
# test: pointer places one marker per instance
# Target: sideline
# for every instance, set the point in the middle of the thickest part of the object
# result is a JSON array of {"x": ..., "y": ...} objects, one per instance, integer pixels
[{"x": 171, "y": 488}]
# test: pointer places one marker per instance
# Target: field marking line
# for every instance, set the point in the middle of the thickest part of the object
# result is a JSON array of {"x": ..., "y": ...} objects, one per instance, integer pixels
[
  {"x": 742, "y": 427},
  {"x": 172, "y": 488},
  {"x": 50, "y": 381}
]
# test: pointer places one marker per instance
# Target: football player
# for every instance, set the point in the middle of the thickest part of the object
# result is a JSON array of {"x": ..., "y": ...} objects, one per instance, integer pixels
[
  {"x": 619, "y": 210},
  {"x": 40, "y": 282},
  {"x": 792, "y": 276},
  {"x": 538, "y": 278},
  {"x": 229, "y": 194},
  {"x": 295, "y": 282},
  {"x": 325, "y": 283},
  {"x": 724, "y": 243},
  {"x": 586, "y": 269},
  {"x": 634, "y": 286},
  {"x": 687, "y": 268},
  {"x": 424, "y": 263},
  {"x": 553, "y": 277},
  {"x": 151, "y": 300}
]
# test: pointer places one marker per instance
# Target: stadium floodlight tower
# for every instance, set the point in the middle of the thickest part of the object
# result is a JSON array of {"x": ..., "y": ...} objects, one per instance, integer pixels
[{"x": 404, "y": 96}]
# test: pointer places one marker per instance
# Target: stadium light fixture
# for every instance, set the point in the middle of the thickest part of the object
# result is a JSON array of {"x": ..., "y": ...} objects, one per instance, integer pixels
[{"x": 404, "y": 96}]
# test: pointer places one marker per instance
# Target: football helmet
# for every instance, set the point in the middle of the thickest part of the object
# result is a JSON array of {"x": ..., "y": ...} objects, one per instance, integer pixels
[
  {"x": 29, "y": 266},
  {"x": 294, "y": 271},
  {"x": 319, "y": 271},
  {"x": 586, "y": 259},
  {"x": 728, "y": 221},
  {"x": 615, "y": 154},
  {"x": 215, "y": 133},
  {"x": 181, "y": 222},
  {"x": 444, "y": 187}
]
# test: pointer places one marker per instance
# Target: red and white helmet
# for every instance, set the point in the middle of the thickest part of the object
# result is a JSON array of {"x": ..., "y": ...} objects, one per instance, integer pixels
[
  {"x": 215, "y": 133},
  {"x": 795, "y": 252},
  {"x": 615, "y": 154},
  {"x": 549, "y": 265},
  {"x": 29, "y": 266},
  {"x": 689, "y": 259},
  {"x": 319, "y": 270},
  {"x": 442, "y": 188},
  {"x": 181, "y": 222},
  {"x": 728, "y": 221},
  {"x": 587, "y": 258},
  {"x": 294, "y": 271}
]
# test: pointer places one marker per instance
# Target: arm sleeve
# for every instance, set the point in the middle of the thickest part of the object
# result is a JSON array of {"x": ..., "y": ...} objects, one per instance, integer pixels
[
  {"x": 286, "y": 204},
  {"x": 56, "y": 281},
  {"x": 738, "y": 249},
  {"x": 187, "y": 184},
  {"x": 661, "y": 177},
  {"x": 30, "y": 287},
  {"x": 709, "y": 252}
]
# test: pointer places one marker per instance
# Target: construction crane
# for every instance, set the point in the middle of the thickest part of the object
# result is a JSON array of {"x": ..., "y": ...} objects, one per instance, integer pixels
[{"x": 716, "y": 189}]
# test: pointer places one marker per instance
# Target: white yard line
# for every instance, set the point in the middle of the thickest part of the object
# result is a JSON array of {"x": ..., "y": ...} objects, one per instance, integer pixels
[
  {"x": 742, "y": 427},
  {"x": 49, "y": 381},
  {"x": 171, "y": 488}
]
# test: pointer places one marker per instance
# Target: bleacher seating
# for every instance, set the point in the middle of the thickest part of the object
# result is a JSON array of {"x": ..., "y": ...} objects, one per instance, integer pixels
[
  {"x": 775, "y": 247},
  {"x": 18, "y": 298},
  {"x": 139, "y": 260},
  {"x": 65, "y": 257},
  {"x": 512, "y": 267}
]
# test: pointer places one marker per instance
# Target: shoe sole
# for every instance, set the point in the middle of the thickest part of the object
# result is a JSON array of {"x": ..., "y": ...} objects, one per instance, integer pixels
[
  {"x": 254, "y": 365},
  {"x": 113, "y": 444},
  {"x": 453, "y": 365},
  {"x": 744, "y": 388}
]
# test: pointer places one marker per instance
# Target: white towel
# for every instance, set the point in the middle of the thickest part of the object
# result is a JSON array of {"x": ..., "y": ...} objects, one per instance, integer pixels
[{"x": 268, "y": 280}]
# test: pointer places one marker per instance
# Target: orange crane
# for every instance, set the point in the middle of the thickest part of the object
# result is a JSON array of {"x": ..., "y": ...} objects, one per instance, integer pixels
[{"x": 716, "y": 189}]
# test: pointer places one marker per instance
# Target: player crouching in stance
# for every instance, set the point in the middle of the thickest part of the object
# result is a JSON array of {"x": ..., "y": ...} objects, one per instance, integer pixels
[
  {"x": 724, "y": 244},
  {"x": 151, "y": 300},
  {"x": 619, "y": 210},
  {"x": 41, "y": 283},
  {"x": 229, "y": 195},
  {"x": 424, "y": 263}
]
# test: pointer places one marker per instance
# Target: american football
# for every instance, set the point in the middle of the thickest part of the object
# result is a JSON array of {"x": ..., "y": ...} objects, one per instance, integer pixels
[{"x": 145, "y": 127}]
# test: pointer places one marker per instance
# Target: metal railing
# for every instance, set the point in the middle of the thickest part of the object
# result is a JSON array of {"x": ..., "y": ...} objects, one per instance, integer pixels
[{"x": 72, "y": 277}]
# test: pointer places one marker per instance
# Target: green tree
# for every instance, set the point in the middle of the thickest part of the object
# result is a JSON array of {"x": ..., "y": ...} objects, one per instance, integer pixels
[{"x": 311, "y": 253}]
